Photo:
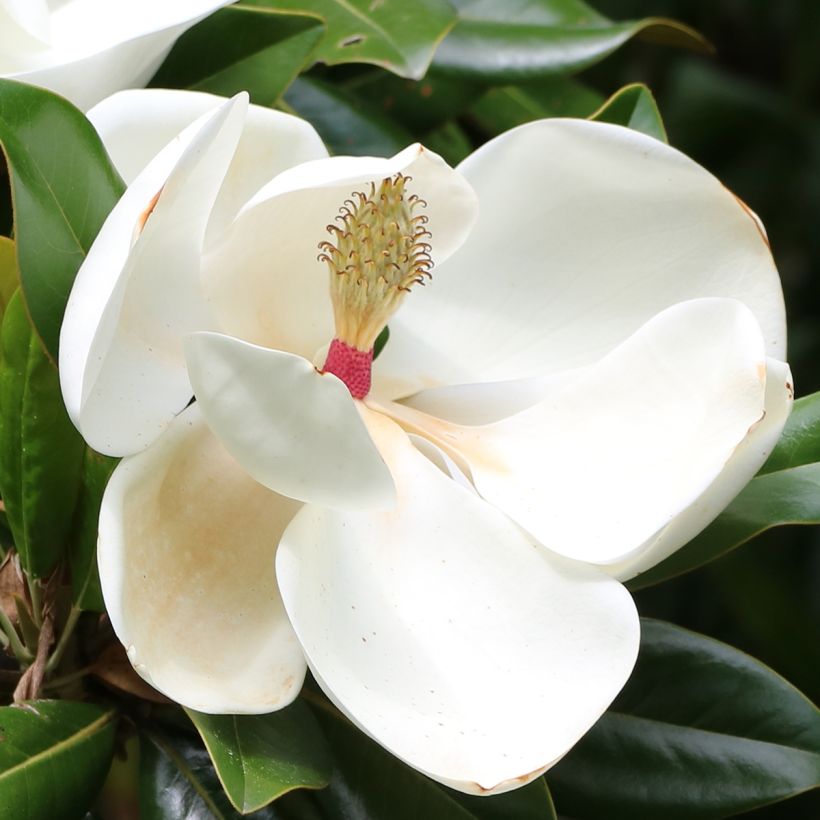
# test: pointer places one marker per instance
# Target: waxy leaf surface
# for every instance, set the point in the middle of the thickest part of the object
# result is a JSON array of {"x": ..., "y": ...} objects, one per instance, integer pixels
[
  {"x": 261, "y": 757},
  {"x": 393, "y": 34},
  {"x": 54, "y": 756},
  {"x": 242, "y": 48},
  {"x": 700, "y": 731},
  {"x": 40, "y": 450},
  {"x": 63, "y": 187},
  {"x": 514, "y": 40}
]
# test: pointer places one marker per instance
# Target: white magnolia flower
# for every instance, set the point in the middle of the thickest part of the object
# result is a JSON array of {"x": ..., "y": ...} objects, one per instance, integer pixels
[
  {"x": 594, "y": 372},
  {"x": 88, "y": 49}
]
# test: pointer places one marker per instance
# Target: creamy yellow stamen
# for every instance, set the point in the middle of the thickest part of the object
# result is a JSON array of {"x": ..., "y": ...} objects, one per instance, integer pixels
[{"x": 379, "y": 252}]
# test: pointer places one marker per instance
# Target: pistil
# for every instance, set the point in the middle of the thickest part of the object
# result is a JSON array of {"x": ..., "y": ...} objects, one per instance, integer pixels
[{"x": 380, "y": 250}]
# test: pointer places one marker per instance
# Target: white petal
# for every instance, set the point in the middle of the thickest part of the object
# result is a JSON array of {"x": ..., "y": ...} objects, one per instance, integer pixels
[
  {"x": 599, "y": 467},
  {"x": 186, "y": 555},
  {"x": 292, "y": 428},
  {"x": 447, "y": 635},
  {"x": 266, "y": 283},
  {"x": 122, "y": 367},
  {"x": 32, "y": 16},
  {"x": 746, "y": 460},
  {"x": 97, "y": 47},
  {"x": 586, "y": 230},
  {"x": 135, "y": 125}
]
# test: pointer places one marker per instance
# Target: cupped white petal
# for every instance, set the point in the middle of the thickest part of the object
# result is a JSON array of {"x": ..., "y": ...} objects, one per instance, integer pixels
[
  {"x": 186, "y": 557},
  {"x": 295, "y": 430},
  {"x": 447, "y": 635},
  {"x": 597, "y": 468},
  {"x": 746, "y": 460},
  {"x": 586, "y": 230},
  {"x": 122, "y": 367},
  {"x": 135, "y": 125},
  {"x": 267, "y": 285},
  {"x": 96, "y": 47}
]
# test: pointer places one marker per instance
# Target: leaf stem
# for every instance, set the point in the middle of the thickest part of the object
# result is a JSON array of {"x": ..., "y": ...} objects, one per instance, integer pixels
[
  {"x": 65, "y": 636},
  {"x": 36, "y": 600},
  {"x": 69, "y": 677},
  {"x": 20, "y": 652}
]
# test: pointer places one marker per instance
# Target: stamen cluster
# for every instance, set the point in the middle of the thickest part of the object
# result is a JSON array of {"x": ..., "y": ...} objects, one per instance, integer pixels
[{"x": 379, "y": 252}]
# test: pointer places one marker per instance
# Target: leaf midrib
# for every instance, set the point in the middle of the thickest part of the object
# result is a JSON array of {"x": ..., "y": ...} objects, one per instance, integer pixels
[
  {"x": 662, "y": 723},
  {"x": 82, "y": 734}
]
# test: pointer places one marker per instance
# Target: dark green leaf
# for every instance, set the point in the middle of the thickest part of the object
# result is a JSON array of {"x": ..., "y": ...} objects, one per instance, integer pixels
[
  {"x": 54, "y": 756},
  {"x": 260, "y": 757},
  {"x": 635, "y": 107},
  {"x": 393, "y": 34},
  {"x": 450, "y": 140},
  {"x": 40, "y": 451},
  {"x": 417, "y": 106},
  {"x": 243, "y": 47},
  {"x": 381, "y": 340},
  {"x": 178, "y": 782},
  {"x": 346, "y": 124},
  {"x": 370, "y": 784},
  {"x": 700, "y": 731},
  {"x": 799, "y": 442},
  {"x": 514, "y": 40},
  {"x": 786, "y": 491},
  {"x": 503, "y": 108},
  {"x": 63, "y": 185},
  {"x": 85, "y": 580}
]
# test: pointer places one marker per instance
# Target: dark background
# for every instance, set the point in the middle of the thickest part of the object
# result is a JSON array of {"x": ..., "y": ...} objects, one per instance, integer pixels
[{"x": 751, "y": 114}]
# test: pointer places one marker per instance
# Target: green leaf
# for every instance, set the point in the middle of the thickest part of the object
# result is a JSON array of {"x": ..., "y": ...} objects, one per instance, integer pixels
[
  {"x": 54, "y": 756},
  {"x": 786, "y": 491},
  {"x": 242, "y": 47},
  {"x": 417, "y": 106},
  {"x": 85, "y": 579},
  {"x": 8, "y": 273},
  {"x": 514, "y": 40},
  {"x": 177, "y": 780},
  {"x": 701, "y": 731},
  {"x": 799, "y": 442},
  {"x": 63, "y": 186},
  {"x": 635, "y": 107},
  {"x": 40, "y": 451},
  {"x": 393, "y": 34},
  {"x": 346, "y": 124},
  {"x": 370, "y": 784},
  {"x": 260, "y": 757},
  {"x": 506, "y": 107}
]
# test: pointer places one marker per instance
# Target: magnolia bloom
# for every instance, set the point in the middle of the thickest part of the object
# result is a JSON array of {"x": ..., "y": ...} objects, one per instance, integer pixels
[
  {"x": 594, "y": 371},
  {"x": 88, "y": 49}
]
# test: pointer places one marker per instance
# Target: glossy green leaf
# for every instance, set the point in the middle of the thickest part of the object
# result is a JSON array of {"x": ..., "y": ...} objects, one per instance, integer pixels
[
  {"x": 509, "y": 106},
  {"x": 786, "y": 491},
  {"x": 54, "y": 756},
  {"x": 63, "y": 186},
  {"x": 700, "y": 731},
  {"x": 177, "y": 782},
  {"x": 635, "y": 107},
  {"x": 515, "y": 40},
  {"x": 370, "y": 784},
  {"x": 799, "y": 442},
  {"x": 242, "y": 47},
  {"x": 346, "y": 124},
  {"x": 85, "y": 579},
  {"x": 393, "y": 34},
  {"x": 40, "y": 450},
  {"x": 9, "y": 281},
  {"x": 260, "y": 757}
]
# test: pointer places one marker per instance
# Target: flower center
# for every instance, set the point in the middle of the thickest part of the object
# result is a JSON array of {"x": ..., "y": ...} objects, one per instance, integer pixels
[{"x": 378, "y": 253}]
